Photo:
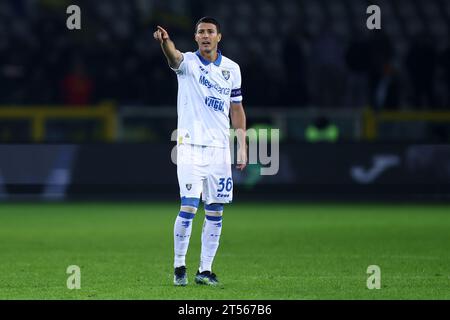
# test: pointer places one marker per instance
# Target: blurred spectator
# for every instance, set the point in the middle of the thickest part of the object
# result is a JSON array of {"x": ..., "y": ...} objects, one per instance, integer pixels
[
  {"x": 383, "y": 85},
  {"x": 13, "y": 74},
  {"x": 328, "y": 70},
  {"x": 254, "y": 88},
  {"x": 421, "y": 62},
  {"x": 357, "y": 64},
  {"x": 295, "y": 90},
  {"x": 77, "y": 86},
  {"x": 387, "y": 91}
]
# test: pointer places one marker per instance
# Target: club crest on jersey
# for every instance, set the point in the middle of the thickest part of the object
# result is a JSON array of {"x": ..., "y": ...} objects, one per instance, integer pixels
[
  {"x": 226, "y": 74},
  {"x": 189, "y": 186}
]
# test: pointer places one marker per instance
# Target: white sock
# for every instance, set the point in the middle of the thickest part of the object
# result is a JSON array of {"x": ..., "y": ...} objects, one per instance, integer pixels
[
  {"x": 210, "y": 242},
  {"x": 182, "y": 233}
]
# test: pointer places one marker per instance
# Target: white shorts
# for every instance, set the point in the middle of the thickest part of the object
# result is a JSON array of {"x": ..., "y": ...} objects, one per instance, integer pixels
[{"x": 205, "y": 171}]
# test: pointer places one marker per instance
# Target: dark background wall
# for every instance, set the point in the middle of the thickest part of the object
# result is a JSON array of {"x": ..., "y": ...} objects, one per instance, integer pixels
[
  {"x": 146, "y": 172},
  {"x": 309, "y": 53},
  {"x": 304, "y": 63}
]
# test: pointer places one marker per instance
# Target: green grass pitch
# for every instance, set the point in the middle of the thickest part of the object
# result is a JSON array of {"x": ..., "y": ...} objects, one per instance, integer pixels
[{"x": 267, "y": 251}]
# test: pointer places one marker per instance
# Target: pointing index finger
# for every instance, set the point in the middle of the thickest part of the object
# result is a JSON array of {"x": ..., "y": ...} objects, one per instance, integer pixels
[{"x": 161, "y": 29}]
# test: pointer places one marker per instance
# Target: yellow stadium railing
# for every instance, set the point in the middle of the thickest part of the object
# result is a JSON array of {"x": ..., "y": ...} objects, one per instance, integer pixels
[
  {"x": 38, "y": 115},
  {"x": 372, "y": 119}
]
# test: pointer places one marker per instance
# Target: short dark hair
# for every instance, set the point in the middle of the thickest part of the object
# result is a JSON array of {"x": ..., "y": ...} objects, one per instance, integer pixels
[{"x": 208, "y": 20}]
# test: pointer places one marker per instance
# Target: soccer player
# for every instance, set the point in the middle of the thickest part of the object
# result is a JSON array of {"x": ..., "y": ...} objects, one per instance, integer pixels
[{"x": 209, "y": 94}]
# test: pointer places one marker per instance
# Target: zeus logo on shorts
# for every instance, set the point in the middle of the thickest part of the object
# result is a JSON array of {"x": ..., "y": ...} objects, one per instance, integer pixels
[
  {"x": 222, "y": 195},
  {"x": 215, "y": 103}
]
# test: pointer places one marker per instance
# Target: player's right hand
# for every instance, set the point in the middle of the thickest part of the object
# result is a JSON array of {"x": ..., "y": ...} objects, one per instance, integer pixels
[
  {"x": 241, "y": 158},
  {"x": 160, "y": 34}
]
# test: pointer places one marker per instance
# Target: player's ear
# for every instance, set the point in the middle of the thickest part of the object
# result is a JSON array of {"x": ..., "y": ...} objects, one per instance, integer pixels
[{"x": 220, "y": 37}]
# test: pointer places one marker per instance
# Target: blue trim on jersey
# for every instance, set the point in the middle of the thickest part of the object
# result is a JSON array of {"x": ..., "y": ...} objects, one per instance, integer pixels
[
  {"x": 214, "y": 207},
  {"x": 186, "y": 215},
  {"x": 207, "y": 62},
  {"x": 211, "y": 218},
  {"x": 192, "y": 202}
]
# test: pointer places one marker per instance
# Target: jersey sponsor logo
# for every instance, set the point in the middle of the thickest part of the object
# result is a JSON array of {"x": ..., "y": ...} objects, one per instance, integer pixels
[
  {"x": 205, "y": 82},
  {"x": 215, "y": 103},
  {"x": 226, "y": 74}
]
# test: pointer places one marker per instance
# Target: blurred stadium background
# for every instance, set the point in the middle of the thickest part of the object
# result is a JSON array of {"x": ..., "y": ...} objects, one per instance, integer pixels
[
  {"x": 363, "y": 115},
  {"x": 85, "y": 111}
]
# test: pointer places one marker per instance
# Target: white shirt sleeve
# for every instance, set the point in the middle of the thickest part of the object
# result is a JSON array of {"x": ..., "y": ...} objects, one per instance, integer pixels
[
  {"x": 236, "y": 92},
  {"x": 183, "y": 67}
]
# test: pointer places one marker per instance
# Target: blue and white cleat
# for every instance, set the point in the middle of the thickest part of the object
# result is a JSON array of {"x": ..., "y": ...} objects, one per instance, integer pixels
[
  {"x": 179, "y": 277},
  {"x": 206, "y": 278}
]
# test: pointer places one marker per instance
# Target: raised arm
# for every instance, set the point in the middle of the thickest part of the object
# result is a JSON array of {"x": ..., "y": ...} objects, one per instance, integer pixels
[
  {"x": 238, "y": 121},
  {"x": 174, "y": 57}
]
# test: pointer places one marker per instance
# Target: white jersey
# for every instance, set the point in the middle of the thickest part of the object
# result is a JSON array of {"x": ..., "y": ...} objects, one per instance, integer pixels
[{"x": 205, "y": 91}]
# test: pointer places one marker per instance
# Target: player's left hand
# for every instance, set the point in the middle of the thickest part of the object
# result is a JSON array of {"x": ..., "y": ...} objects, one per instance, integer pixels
[{"x": 241, "y": 158}]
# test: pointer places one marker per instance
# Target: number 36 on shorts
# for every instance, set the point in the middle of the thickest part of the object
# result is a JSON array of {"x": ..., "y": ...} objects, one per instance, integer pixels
[{"x": 225, "y": 186}]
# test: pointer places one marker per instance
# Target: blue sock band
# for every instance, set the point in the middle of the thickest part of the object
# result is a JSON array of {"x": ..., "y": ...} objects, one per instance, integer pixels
[
  {"x": 214, "y": 207},
  {"x": 192, "y": 202},
  {"x": 186, "y": 215},
  {"x": 212, "y": 218}
]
